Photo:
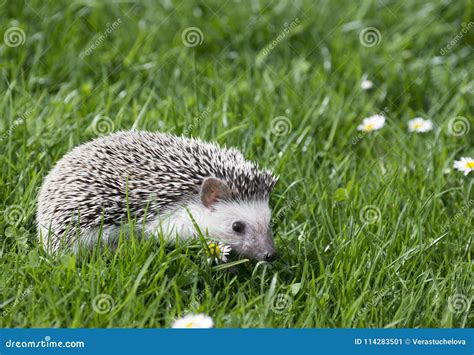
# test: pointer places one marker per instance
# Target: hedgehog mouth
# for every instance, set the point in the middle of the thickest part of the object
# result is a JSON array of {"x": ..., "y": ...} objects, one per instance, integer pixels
[{"x": 251, "y": 254}]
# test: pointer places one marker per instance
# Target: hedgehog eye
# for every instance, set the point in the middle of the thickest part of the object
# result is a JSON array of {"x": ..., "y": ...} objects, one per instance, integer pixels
[{"x": 238, "y": 227}]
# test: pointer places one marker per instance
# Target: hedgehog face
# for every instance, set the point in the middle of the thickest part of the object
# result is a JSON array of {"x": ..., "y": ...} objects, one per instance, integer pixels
[{"x": 244, "y": 225}]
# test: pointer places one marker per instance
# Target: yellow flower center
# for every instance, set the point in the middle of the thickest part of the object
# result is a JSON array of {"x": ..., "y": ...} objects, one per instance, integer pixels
[
  {"x": 189, "y": 325},
  {"x": 369, "y": 127},
  {"x": 470, "y": 164},
  {"x": 417, "y": 125},
  {"x": 214, "y": 249}
]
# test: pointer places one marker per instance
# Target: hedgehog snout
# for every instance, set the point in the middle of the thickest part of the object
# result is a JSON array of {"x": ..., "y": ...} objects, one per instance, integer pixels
[
  {"x": 267, "y": 246},
  {"x": 260, "y": 246}
]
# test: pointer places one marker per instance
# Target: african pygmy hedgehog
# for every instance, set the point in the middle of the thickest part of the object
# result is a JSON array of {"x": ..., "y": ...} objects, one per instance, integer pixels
[{"x": 161, "y": 180}]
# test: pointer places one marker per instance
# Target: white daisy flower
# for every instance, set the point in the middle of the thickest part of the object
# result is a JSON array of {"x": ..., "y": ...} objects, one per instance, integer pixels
[
  {"x": 466, "y": 165},
  {"x": 193, "y": 321},
  {"x": 420, "y": 125},
  {"x": 218, "y": 252},
  {"x": 372, "y": 123},
  {"x": 366, "y": 84}
]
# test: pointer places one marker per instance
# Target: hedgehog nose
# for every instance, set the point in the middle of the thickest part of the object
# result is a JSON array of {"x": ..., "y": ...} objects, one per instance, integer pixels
[{"x": 269, "y": 256}]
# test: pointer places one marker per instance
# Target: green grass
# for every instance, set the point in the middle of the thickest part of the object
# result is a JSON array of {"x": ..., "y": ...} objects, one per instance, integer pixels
[{"x": 406, "y": 269}]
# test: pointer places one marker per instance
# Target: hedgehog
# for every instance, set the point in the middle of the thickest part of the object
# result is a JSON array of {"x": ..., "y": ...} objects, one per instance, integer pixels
[{"x": 172, "y": 186}]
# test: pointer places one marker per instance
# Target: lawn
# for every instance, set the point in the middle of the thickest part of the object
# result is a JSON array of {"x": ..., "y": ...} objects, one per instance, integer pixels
[{"x": 374, "y": 229}]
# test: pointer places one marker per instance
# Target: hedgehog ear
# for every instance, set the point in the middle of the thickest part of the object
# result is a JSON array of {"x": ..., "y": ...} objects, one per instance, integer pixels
[{"x": 213, "y": 190}]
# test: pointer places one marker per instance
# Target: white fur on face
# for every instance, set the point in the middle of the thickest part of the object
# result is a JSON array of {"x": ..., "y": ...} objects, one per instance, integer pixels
[{"x": 256, "y": 215}]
